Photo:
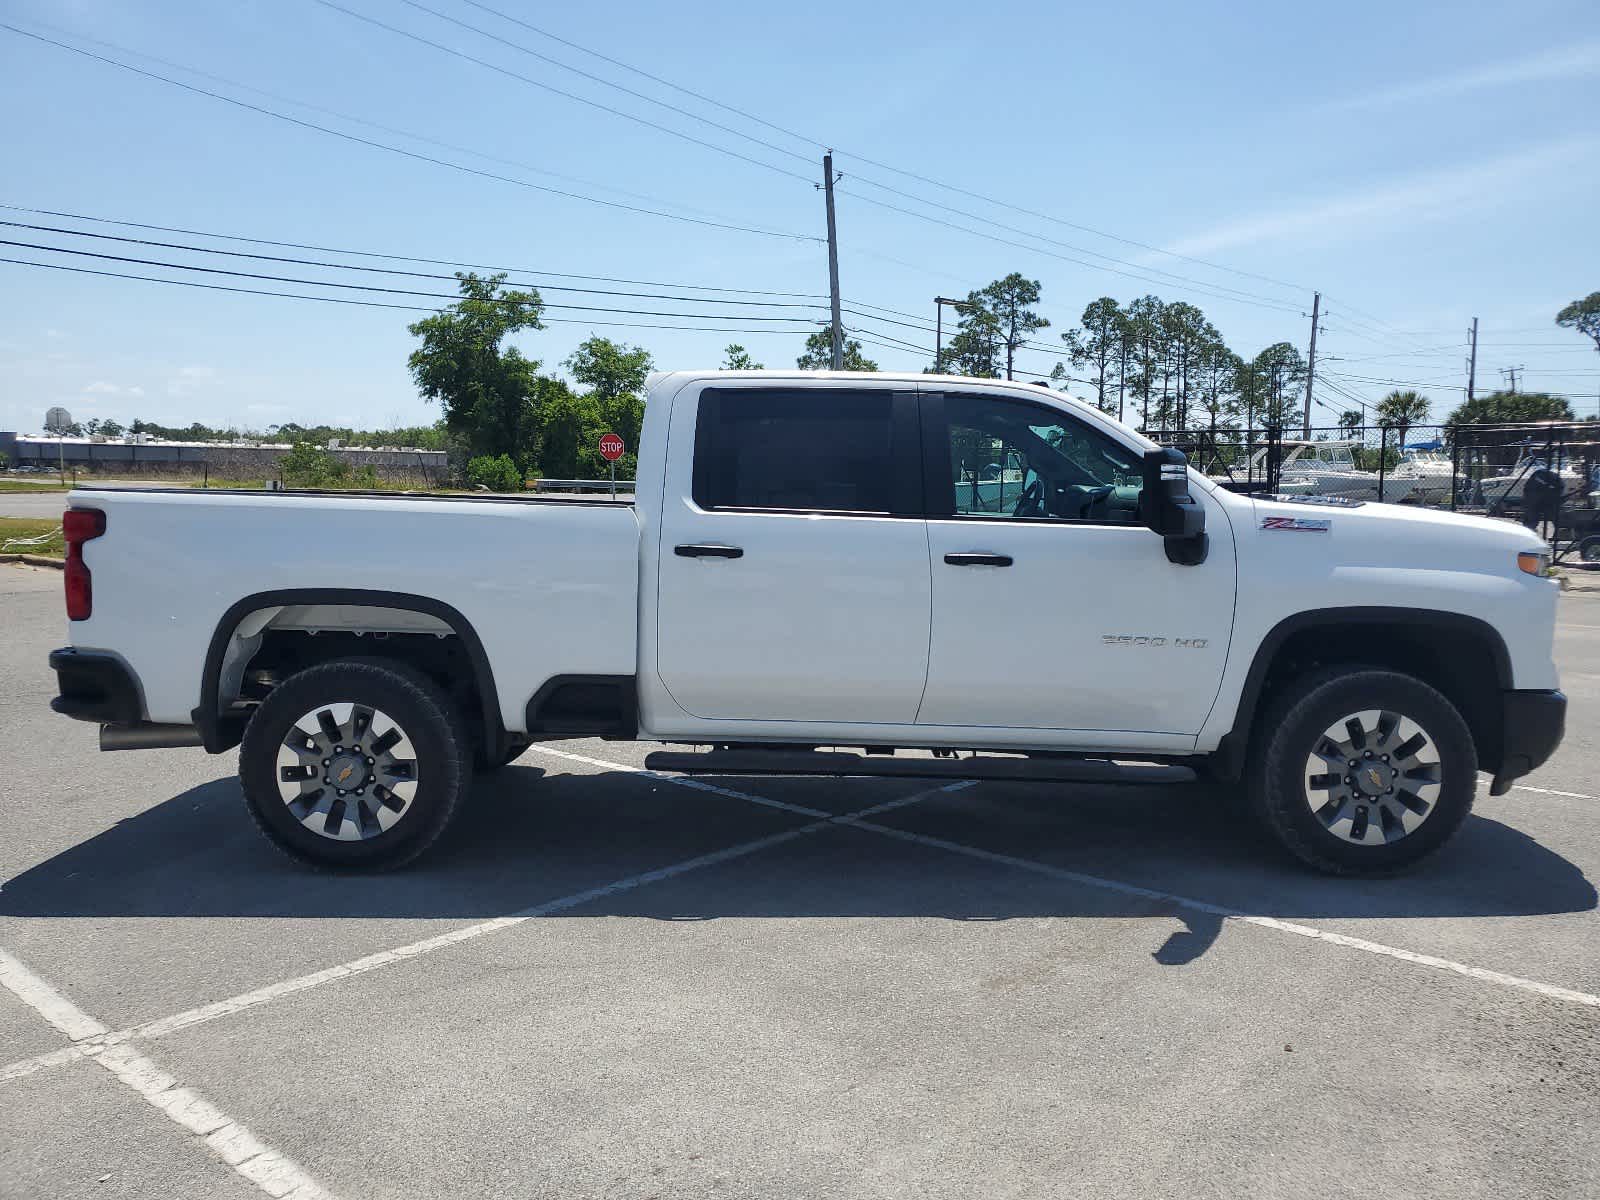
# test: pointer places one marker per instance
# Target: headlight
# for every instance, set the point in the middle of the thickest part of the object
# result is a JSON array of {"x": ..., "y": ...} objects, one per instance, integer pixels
[{"x": 1534, "y": 562}]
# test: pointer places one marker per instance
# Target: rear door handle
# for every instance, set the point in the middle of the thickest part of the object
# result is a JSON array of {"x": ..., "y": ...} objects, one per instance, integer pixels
[
  {"x": 708, "y": 551},
  {"x": 978, "y": 559}
]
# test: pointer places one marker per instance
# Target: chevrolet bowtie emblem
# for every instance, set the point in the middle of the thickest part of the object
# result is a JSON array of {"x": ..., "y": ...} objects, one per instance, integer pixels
[
  {"x": 1375, "y": 779},
  {"x": 346, "y": 773}
]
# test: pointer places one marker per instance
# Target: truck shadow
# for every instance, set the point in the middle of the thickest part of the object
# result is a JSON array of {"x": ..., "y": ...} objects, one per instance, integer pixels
[{"x": 527, "y": 839}]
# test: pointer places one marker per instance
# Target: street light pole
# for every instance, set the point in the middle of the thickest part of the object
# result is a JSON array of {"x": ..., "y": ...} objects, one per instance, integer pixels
[{"x": 938, "y": 329}]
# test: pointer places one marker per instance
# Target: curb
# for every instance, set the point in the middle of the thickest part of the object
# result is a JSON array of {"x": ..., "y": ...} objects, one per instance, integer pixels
[{"x": 33, "y": 560}]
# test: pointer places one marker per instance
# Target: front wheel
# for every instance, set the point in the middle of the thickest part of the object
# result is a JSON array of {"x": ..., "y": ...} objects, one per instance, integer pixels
[
  {"x": 1366, "y": 771},
  {"x": 354, "y": 765}
]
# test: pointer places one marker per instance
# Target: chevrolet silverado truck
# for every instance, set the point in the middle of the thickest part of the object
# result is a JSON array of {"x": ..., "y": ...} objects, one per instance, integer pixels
[{"x": 827, "y": 574}]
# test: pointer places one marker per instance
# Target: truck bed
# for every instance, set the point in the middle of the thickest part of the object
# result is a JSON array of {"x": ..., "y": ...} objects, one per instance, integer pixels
[{"x": 549, "y": 584}]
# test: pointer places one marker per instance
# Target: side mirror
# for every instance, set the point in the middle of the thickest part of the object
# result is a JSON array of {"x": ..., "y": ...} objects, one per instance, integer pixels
[{"x": 1168, "y": 508}]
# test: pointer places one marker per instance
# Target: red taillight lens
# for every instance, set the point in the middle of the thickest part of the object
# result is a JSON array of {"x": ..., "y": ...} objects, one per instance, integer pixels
[{"x": 79, "y": 525}]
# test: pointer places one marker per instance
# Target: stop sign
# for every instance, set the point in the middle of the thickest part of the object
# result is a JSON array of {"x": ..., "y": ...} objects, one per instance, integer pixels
[{"x": 611, "y": 447}]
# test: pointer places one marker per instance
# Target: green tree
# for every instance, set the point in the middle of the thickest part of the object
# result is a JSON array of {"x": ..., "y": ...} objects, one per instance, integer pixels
[
  {"x": 1401, "y": 410},
  {"x": 1215, "y": 374},
  {"x": 818, "y": 355},
  {"x": 486, "y": 387},
  {"x": 308, "y": 465},
  {"x": 1509, "y": 407},
  {"x": 974, "y": 349},
  {"x": 1145, "y": 333},
  {"x": 1271, "y": 385},
  {"x": 1583, "y": 316},
  {"x": 1097, "y": 348},
  {"x": 1351, "y": 420},
  {"x": 1011, "y": 301},
  {"x": 570, "y": 426},
  {"x": 497, "y": 473},
  {"x": 615, "y": 375},
  {"x": 737, "y": 358}
]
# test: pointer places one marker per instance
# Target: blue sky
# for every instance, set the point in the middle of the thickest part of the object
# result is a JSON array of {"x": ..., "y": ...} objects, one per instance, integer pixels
[{"x": 1418, "y": 163}]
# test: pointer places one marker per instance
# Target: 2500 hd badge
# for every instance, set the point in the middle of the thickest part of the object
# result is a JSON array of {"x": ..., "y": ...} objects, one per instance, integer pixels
[{"x": 1139, "y": 639}]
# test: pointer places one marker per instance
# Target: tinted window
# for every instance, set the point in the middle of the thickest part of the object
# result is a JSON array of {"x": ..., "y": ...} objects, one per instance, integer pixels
[
  {"x": 803, "y": 450},
  {"x": 1009, "y": 458}
]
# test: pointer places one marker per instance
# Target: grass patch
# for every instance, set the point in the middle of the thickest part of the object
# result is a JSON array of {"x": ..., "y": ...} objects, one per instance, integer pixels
[
  {"x": 27, "y": 527},
  {"x": 31, "y": 485}
]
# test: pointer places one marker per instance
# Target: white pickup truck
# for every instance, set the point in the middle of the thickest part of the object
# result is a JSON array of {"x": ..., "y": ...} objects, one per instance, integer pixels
[{"x": 827, "y": 574}]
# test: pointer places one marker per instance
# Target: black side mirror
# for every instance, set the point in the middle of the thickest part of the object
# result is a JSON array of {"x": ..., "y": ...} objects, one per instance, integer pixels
[{"x": 1168, "y": 508}]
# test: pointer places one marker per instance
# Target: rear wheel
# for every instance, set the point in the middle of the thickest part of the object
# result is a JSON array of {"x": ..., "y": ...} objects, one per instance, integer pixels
[
  {"x": 1366, "y": 772},
  {"x": 354, "y": 765}
]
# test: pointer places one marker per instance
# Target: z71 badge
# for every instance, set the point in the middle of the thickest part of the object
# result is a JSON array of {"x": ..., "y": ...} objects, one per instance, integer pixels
[{"x": 1297, "y": 524}]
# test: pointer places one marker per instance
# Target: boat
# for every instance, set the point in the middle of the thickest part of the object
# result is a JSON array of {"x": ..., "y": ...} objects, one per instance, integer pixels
[
  {"x": 1431, "y": 472},
  {"x": 1324, "y": 469}
]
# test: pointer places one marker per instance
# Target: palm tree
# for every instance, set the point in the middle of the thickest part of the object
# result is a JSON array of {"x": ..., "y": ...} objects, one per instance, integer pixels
[
  {"x": 1402, "y": 410},
  {"x": 1350, "y": 420}
]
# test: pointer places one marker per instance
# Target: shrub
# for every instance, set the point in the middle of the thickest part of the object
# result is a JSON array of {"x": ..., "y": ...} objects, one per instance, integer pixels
[
  {"x": 309, "y": 465},
  {"x": 498, "y": 474}
]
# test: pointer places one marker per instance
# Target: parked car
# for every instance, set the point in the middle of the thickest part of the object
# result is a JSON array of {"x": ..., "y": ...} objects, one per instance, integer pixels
[{"x": 805, "y": 566}]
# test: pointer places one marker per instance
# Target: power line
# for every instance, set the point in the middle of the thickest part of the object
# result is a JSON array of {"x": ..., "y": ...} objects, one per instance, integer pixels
[
  {"x": 811, "y": 141},
  {"x": 509, "y": 73},
  {"x": 412, "y": 154},
  {"x": 312, "y": 262},
  {"x": 1216, "y": 291},
  {"x": 436, "y": 262},
  {"x": 217, "y": 287},
  {"x": 362, "y": 287},
  {"x": 355, "y": 120}
]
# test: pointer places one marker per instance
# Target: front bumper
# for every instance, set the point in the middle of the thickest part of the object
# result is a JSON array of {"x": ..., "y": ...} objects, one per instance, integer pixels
[
  {"x": 95, "y": 686},
  {"x": 1532, "y": 724}
]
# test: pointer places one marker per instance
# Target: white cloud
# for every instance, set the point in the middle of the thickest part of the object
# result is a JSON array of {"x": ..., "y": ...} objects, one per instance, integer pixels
[
  {"x": 1563, "y": 62},
  {"x": 101, "y": 387},
  {"x": 1391, "y": 205}
]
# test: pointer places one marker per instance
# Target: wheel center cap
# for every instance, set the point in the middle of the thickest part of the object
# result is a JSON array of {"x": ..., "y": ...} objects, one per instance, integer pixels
[
  {"x": 1374, "y": 778},
  {"x": 347, "y": 771}
]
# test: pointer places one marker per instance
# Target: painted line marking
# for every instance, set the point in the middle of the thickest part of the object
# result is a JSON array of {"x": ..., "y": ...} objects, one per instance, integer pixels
[
  {"x": 698, "y": 785},
  {"x": 96, "y": 1038},
  {"x": 1550, "y": 991},
  {"x": 1522, "y": 787},
  {"x": 226, "y": 1138},
  {"x": 1481, "y": 974}
]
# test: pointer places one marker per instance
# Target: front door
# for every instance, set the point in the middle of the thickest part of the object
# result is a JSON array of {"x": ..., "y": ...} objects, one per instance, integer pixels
[
  {"x": 1054, "y": 607},
  {"x": 794, "y": 581}
]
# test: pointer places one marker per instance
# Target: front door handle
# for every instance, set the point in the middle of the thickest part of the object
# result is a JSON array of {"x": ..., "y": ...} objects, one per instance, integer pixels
[
  {"x": 978, "y": 559},
  {"x": 708, "y": 551}
]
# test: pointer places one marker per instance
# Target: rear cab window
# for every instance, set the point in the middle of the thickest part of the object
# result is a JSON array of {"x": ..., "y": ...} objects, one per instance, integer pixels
[{"x": 846, "y": 450}]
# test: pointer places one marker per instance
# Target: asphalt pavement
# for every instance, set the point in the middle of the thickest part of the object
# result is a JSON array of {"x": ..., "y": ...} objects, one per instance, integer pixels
[{"x": 608, "y": 983}]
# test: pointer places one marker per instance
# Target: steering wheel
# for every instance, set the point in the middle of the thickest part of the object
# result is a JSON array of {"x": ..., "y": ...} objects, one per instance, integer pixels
[{"x": 1031, "y": 502}]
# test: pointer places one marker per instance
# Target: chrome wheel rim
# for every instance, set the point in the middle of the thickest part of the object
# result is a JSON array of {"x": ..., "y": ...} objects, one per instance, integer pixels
[
  {"x": 1373, "y": 777},
  {"x": 347, "y": 772}
]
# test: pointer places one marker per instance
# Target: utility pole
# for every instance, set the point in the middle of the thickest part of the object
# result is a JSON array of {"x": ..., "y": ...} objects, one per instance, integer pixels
[
  {"x": 1512, "y": 373},
  {"x": 1311, "y": 359},
  {"x": 833, "y": 262},
  {"x": 1472, "y": 360}
]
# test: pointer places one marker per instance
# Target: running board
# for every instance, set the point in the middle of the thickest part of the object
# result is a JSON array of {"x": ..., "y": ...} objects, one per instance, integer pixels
[{"x": 838, "y": 763}]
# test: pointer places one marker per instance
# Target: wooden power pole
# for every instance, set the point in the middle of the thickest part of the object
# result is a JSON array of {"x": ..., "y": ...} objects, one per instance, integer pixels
[
  {"x": 1472, "y": 360},
  {"x": 1311, "y": 361},
  {"x": 833, "y": 262}
]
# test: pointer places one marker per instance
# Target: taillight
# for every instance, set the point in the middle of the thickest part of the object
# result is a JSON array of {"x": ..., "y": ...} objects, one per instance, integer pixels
[{"x": 79, "y": 525}]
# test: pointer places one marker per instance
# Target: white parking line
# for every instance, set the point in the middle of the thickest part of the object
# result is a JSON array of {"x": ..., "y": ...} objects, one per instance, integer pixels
[
  {"x": 1548, "y": 990},
  {"x": 1522, "y": 787},
  {"x": 229, "y": 1140},
  {"x": 91, "y": 1039}
]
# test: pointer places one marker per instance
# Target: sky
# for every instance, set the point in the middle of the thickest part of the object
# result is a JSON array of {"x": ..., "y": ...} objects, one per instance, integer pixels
[{"x": 1419, "y": 164}]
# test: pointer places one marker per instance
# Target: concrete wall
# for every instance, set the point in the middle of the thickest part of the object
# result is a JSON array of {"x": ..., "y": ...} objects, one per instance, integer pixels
[{"x": 215, "y": 456}]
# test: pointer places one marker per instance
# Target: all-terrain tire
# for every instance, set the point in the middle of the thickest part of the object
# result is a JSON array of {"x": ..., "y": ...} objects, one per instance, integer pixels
[
  {"x": 1387, "y": 800},
  {"x": 398, "y": 811}
]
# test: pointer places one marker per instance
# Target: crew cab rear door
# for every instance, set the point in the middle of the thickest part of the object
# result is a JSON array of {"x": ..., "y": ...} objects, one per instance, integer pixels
[
  {"x": 793, "y": 582},
  {"x": 1054, "y": 606}
]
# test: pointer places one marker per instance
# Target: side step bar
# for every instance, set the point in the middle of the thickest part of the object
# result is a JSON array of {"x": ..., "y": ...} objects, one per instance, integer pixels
[{"x": 839, "y": 763}]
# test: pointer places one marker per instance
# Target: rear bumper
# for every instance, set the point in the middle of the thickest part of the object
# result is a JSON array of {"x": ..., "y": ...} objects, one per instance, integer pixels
[
  {"x": 95, "y": 686},
  {"x": 1532, "y": 725}
]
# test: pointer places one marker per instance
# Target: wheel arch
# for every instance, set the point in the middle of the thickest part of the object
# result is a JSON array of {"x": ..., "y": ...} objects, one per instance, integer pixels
[
  {"x": 1441, "y": 648},
  {"x": 220, "y": 731}
]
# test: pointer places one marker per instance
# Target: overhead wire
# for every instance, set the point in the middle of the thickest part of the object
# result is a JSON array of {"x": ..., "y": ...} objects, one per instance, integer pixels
[{"x": 400, "y": 150}]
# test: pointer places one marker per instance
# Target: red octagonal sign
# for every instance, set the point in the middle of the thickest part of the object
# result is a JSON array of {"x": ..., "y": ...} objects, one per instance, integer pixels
[{"x": 611, "y": 447}]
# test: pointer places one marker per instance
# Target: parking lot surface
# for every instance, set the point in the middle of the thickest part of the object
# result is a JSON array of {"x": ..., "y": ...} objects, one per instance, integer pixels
[{"x": 610, "y": 983}]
